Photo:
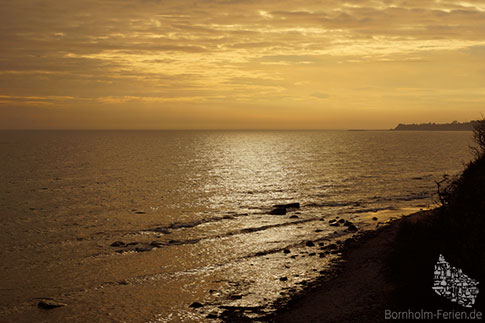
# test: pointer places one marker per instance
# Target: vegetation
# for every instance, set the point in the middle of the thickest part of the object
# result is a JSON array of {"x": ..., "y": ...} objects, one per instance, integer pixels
[
  {"x": 456, "y": 230},
  {"x": 453, "y": 126}
]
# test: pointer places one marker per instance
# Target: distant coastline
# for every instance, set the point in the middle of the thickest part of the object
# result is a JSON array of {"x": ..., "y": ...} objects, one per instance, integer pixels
[{"x": 453, "y": 126}]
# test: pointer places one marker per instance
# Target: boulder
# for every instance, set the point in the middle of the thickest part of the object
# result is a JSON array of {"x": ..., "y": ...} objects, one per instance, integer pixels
[
  {"x": 117, "y": 244},
  {"x": 309, "y": 244},
  {"x": 196, "y": 305},
  {"x": 278, "y": 211},
  {"x": 48, "y": 304},
  {"x": 288, "y": 206},
  {"x": 352, "y": 228}
]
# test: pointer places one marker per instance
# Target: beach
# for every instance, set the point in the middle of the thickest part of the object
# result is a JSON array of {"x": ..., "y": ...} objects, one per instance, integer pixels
[{"x": 360, "y": 287}]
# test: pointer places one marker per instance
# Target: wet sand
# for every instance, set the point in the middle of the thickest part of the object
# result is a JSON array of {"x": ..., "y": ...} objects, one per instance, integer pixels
[{"x": 361, "y": 288}]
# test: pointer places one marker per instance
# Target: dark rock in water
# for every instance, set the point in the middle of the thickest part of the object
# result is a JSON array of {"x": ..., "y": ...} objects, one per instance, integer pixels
[
  {"x": 341, "y": 221},
  {"x": 348, "y": 223},
  {"x": 309, "y": 244},
  {"x": 321, "y": 244},
  {"x": 162, "y": 230},
  {"x": 312, "y": 254},
  {"x": 332, "y": 221},
  {"x": 211, "y": 316},
  {"x": 374, "y": 218},
  {"x": 287, "y": 206},
  {"x": 48, "y": 304},
  {"x": 196, "y": 305},
  {"x": 156, "y": 244},
  {"x": 318, "y": 230},
  {"x": 236, "y": 296},
  {"x": 352, "y": 228},
  {"x": 144, "y": 249},
  {"x": 117, "y": 244},
  {"x": 132, "y": 244},
  {"x": 332, "y": 246},
  {"x": 293, "y": 257},
  {"x": 140, "y": 212},
  {"x": 294, "y": 217},
  {"x": 278, "y": 211},
  {"x": 284, "y": 279},
  {"x": 335, "y": 224},
  {"x": 286, "y": 251}
]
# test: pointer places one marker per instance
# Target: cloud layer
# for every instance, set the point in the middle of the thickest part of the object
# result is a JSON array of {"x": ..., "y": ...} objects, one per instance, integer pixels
[{"x": 242, "y": 64}]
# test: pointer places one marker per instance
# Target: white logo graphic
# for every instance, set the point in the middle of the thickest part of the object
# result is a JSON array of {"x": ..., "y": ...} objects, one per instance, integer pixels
[{"x": 452, "y": 283}]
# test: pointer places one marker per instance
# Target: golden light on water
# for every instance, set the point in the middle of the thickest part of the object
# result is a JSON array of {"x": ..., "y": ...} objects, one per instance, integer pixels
[{"x": 218, "y": 64}]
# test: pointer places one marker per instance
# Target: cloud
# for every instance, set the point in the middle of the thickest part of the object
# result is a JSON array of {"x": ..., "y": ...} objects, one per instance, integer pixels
[
  {"x": 228, "y": 51},
  {"x": 320, "y": 95}
]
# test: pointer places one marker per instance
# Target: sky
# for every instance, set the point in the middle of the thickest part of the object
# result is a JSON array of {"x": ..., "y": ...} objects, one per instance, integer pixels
[{"x": 240, "y": 64}]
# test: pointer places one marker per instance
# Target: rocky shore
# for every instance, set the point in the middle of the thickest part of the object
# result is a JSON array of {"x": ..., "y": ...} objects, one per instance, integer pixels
[{"x": 361, "y": 287}]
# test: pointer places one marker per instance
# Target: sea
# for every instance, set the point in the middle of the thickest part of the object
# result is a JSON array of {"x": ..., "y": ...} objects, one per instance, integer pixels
[{"x": 177, "y": 226}]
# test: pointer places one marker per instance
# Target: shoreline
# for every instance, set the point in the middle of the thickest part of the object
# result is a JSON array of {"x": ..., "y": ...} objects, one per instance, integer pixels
[{"x": 359, "y": 286}]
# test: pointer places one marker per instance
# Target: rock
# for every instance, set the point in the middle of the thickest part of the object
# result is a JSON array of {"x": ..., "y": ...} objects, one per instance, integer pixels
[
  {"x": 156, "y": 244},
  {"x": 352, "y": 228},
  {"x": 309, "y": 244},
  {"x": 341, "y": 221},
  {"x": 348, "y": 223},
  {"x": 294, "y": 217},
  {"x": 332, "y": 246},
  {"x": 288, "y": 206},
  {"x": 144, "y": 249},
  {"x": 48, "y": 304},
  {"x": 162, "y": 230},
  {"x": 374, "y": 218},
  {"x": 284, "y": 279},
  {"x": 334, "y": 224},
  {"x": 211, "y": 316},
  {"x": 286, "y": 251},
  {"x": 312, "y": 254},
  {"x": 117, "y": 244},
  {"x": 196, "y": 305},
  {"x": 140, "y": 212},
  {"x": 321, "y": 244},
  {"x": 278, "y": 211},
  {"x": 318, "y": 230},
  {"x": 132, "y": 244},
  {"x": 332, "y": 221}
]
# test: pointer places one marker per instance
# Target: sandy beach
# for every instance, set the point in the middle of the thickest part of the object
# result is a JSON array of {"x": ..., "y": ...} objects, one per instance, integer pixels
[{"x": 362, "y": 287}]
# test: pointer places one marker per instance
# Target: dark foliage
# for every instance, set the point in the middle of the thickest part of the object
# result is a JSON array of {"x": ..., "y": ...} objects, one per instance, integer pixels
[{"x": 456, "y": 230}]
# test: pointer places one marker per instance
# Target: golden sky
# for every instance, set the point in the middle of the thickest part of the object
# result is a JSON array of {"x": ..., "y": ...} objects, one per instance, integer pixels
[{"x": 218, "y": 64}]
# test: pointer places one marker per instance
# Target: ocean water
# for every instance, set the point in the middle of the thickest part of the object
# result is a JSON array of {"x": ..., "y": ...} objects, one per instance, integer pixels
[{"x": 188, "y": 214}]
